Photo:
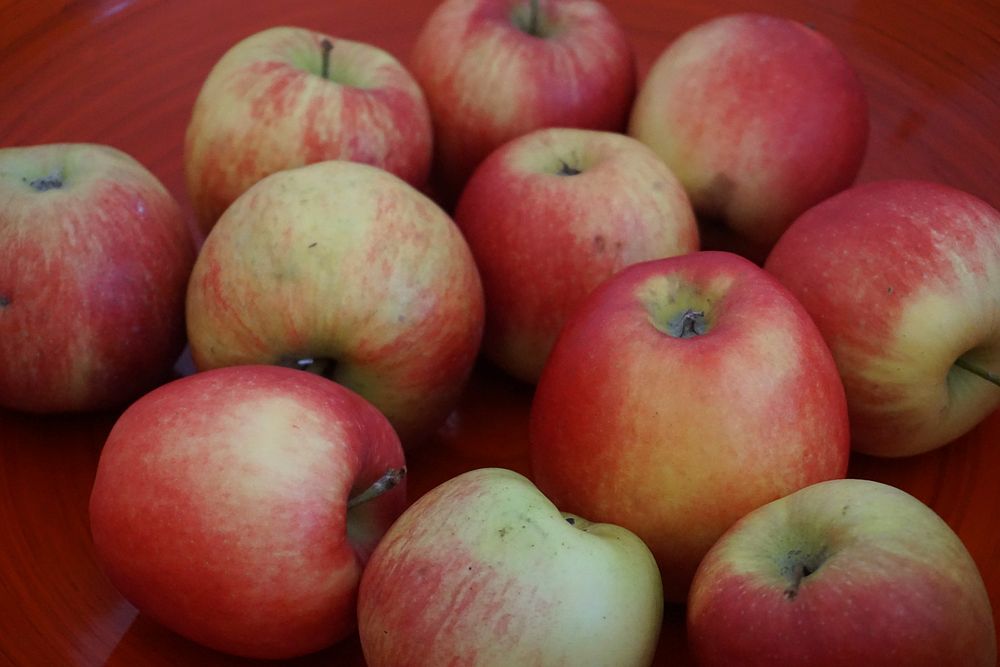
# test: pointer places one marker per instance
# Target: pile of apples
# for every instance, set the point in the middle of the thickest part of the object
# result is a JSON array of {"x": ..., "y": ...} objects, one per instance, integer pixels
[{"x": 713, "y": 316}]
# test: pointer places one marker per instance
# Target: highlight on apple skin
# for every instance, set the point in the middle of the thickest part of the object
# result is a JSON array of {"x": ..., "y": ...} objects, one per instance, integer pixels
[
  {"x": 841, "y": 573},
  {"x": 902, "y": 278},
  {"x": 682, "y": 394}
]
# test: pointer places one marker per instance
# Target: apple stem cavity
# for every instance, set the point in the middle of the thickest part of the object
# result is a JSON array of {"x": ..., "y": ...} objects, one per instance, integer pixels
[
  {"x": 566, "y": 170},
  {"x": 389, "y": 480},
  {"x": 975, "y": 369},
  {"x": 687, "y": 324},
  {"x": 327, "y": 47},
  {"x": 53, "y": 181}
]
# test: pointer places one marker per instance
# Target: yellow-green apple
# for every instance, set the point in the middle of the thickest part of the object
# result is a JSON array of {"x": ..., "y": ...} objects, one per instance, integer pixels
[
  {"x": 903, "y": 280},
  {"x": 94, "y": 259},
  {"x": 286, "y": 97},
  {"x": 485, "y": 570},
  {"x": 344, "y": 267},
  {"x": 225, "y": 507},
  {"x": 842, "y": 573},
  {"x": 496, "y": 69},
  {"x": 760, "y": 117},
  {"x": 683, "y": 393},
  {"x": 553, "y": 213}
]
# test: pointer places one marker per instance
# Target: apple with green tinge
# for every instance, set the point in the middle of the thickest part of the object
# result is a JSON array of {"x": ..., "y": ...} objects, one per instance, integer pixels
[
  {"x": 485, "y": 570},
  {"x": 903, "y": 280},
  {"x": 682, "y": 394},
  {"x": 345, "y": 268},
  {"x": 842, "y": 573},
  {"x": 238, "y": 506},
  {"x": 760, "y": 117},
  {"x": 94, "y": 260},
  {"x": 493, "y": 70},
  {"x": 286, "y": 97},
  {"x": 552, "y": 214}
]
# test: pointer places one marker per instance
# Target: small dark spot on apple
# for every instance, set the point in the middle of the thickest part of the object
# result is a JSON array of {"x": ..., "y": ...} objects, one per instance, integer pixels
[
  {"x": 503, "y": 532},
  {"x": 313, "y": 244},
  {"x": 571, "y": 521},
  {"x": 5, "y": 300},
  {"x": 599, "y": 243},
  {"x": 889, "y": 290},
  {"x": 843, "y": 510}
]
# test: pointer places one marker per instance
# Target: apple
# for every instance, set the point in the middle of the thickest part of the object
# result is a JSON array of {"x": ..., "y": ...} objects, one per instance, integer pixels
[
  {"x": 286, "y": 97},
  {"x": 902, "y": 279},
  {"x": 841, "y": 573},
  {"x": 94, "y": 259},
  {"x": 343, "y": 267},
  {"x": 493, "y": 70},
  {"x": 760, "y": 117},
  {"x": 553, "y": 213},
  {"x": 683, "y": 393},
  {"x": 484, "y": 570},
  {"x": 222, "y": 507}
]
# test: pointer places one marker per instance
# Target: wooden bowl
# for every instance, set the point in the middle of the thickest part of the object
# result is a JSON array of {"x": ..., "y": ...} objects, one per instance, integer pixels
[{"x": 126, "y": 73}]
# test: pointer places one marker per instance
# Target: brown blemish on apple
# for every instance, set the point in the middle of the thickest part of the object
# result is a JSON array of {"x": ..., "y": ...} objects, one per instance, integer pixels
[{"x": 5, "y": 300}]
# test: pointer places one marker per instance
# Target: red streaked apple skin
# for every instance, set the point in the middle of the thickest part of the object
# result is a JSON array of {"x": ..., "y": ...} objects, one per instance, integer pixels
[
  {"x": 543, "y": 241},
  {"x": 902, "y": 279},
  {"x": 488, "y": 81},
  {"x": 677, "y": 438},
  {"x": 760, "y": 117},
  {"x": 219, "y": 507},
  {"x": 896, "y": 586},
  {"x": 344, "y": 262},
  {"x": 265, "y": 107},
  {"x": 92, "y": 279},
  {"x": 484, "y": 570}
]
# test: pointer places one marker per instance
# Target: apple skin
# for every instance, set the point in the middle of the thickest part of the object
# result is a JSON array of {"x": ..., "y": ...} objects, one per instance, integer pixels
[
  {"x": 760, "y": 117},
  {"x": 220, "y": 507},
  {"x": 488, "y": 80},
  {"x": 92, "y": 278},
  {"x": 344, "y": 262},
  {"x": 677, "y": 438},
  {"x": 889, "y": 584},
  {"x": 544, "y": 236},
  {"x": 485, "y": 570},
  {"x": 902, "y": 279},
  {"x": 265, "y": 106}
]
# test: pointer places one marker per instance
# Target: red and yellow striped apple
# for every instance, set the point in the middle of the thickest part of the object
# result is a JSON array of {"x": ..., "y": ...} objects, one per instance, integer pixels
[
  {"x": 842, "y": 573},
  {"x": 552, "y": 214},
  {"x": 682, "y": 394},
  {"x": 903, "y": 280},
  {"x": 222, "y": 507},
  {"x": 484, "y": 570}
]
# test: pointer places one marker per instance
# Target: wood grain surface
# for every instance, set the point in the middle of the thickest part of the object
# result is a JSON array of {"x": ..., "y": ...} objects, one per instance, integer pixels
[{"x": 126, "y": 73}]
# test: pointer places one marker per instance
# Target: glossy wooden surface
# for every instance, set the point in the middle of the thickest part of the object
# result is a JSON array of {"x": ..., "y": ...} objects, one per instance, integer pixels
[{"x": 126, "y": 73}]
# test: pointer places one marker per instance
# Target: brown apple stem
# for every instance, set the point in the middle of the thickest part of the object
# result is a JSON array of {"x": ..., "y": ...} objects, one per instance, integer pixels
[
  {"x": 53, "y": 181},
  {"x": 389, "y": 480},
  {"x": 327, "y": 46},
  {"x": 798, "y": 573},
  {"x": 687, "y": 324},
  {"x": 987, "y": 375}
]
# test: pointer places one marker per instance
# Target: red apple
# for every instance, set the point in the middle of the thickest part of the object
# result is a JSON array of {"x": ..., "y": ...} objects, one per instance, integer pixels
[
  {"x": 345, "y": 267},
  {"x": 682, "y": 394},
  {"x": 493, "y": 70},
  {"x": 903, "y": 278},
  {"x": 484, "y": 570},
  {"x": 760, "y": 117},
  {"x": 94, "y": 259},
  {"x": 287, "y": 97},
  {"x": 840, "y": 574},
  {"x": 221, "y": 507},
  {"x": 553, "y": 213}
]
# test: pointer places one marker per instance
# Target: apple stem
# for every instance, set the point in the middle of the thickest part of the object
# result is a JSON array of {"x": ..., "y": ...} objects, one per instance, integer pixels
[
  {"x": 533, "y": 18},
  {"x": 688, "y": 324},
  {"x": 387, "y": 481},
  {"x": 53, "y": 181},
  {"x": 987, "y": 375},
  {"x": 327, "y": 46}
]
